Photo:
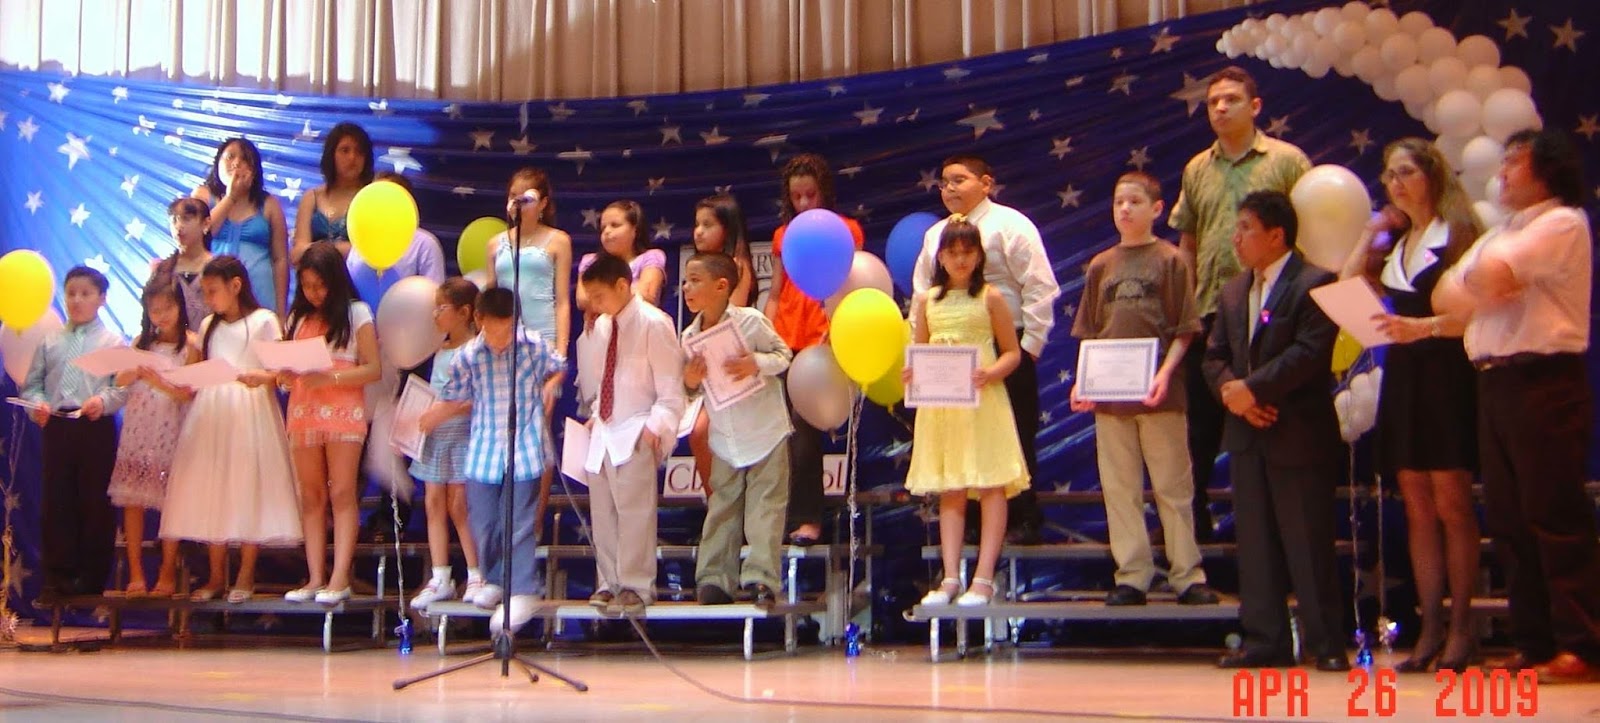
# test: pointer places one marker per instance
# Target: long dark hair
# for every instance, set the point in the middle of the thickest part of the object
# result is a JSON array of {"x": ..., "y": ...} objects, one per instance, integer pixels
[
  {"x": 159, "y": 286},
  {"x": 184, "y": 208},
  {"x": 806, "y": 164},
  {"x": 540, "y": 181},
  {"x": 227, "y": 268},
  {"x": 252, "y": 156},
  {"x": 959, "y": 232},
  {"x": 634, "y": 215},
  {"x": 327, "y": 263},
  {"x": 330, "y": 148},
  {"x": 735, "y": 236}
]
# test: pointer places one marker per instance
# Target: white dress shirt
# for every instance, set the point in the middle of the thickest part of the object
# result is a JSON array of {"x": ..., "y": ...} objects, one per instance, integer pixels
[
  {"x": 647, "y": 384},
  {"x": 1269, "y": 278},
  {"x": 1547, "y": 247},
  {"x": 1015, "y": 262},
  {"x": 746, "y": 432}
]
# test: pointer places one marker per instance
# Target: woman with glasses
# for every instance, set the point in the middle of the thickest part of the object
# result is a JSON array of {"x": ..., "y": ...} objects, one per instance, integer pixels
[{"x": 1427, "y": 429}]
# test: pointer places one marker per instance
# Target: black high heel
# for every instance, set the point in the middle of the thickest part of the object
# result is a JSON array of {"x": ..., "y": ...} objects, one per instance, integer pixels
[{"x": 1419, "y": 663}]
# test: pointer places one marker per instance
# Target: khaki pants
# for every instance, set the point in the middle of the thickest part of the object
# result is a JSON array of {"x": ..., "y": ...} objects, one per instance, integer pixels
[
  {"x": 622, "y": 503},
  {"x": 1125, "y": 445},
  {"x": 747, "y": 504}
]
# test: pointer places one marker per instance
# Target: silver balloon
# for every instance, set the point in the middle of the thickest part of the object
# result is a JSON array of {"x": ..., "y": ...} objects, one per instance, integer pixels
[
  {"x": 406, "y": 333},
  {"x": 866, "y": 272},
  {"x": 818, "y": 388},
  {"x": 17, "y": 347}
]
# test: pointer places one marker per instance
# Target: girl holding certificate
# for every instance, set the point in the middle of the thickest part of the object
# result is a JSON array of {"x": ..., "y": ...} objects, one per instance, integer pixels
[{"x": 962, "y": 453}]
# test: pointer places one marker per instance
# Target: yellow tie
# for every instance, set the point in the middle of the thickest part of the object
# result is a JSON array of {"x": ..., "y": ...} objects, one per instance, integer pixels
[{"x": 1255, "y": 302}]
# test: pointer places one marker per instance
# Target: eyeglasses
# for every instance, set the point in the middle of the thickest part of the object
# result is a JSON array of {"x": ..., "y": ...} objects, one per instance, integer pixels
[
  {"x": 1403, "y": 173},
  {"x": 442, "y": 308}
]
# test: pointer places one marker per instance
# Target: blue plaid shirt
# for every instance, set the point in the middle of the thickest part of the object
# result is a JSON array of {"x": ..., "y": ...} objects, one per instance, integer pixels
[{"x": 483, "y": 377}]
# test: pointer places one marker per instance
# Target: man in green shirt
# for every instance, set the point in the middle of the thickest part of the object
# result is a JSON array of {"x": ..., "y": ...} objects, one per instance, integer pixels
[{"x": 1242, "y": 160}]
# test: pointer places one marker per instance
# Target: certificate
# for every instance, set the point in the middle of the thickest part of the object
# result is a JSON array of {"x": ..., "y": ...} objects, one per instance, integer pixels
[
  {"x": 30, "y": 404},
  {"x": 209, "y": 373},
  {"x": 941, "y": 376},
  {"x": 115, "y": 359},
  {"x": 1116, "y": 370},
  {"x": 406, "y": 436},
  {"x": 575, "y": 451},
  {"x": 300, "y": 356},
  {"x": 717, "y": 346},
  {"x": 1352, "y": 304}
]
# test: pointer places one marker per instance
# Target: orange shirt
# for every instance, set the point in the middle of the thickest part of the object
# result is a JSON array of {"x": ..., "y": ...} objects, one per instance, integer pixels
[{"x": 801, "y": 321}]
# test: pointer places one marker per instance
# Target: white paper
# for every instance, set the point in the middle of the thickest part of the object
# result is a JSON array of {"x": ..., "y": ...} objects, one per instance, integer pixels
[
  {"x": 1352, "y": 304},
  {"x": 717, "y": 346},
  {"x": 300, "y": 356},
  {"x": 690, "y": 414},
  {"x": 1116, "y": 370},
  {"x": 941, "y": 376},
  {"x": 209, "y": 373},
  {"x": 115, "y": 359},
  {"x": 29, "y": 404},
  {"x": 406, "y": 436},
  {"x": 575, "y": 451}
]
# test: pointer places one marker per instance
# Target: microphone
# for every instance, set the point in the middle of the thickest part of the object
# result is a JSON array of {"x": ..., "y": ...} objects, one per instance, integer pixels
[{"x": 528, "y": 196}]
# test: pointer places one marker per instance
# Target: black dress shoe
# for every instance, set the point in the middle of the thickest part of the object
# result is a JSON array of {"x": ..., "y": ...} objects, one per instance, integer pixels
[
  {"x": 1199, "y": 594},
  {"x": 1125, "y": 595},
  {"x": 1244, "y": 659},
  {"x": 1419, "y": 662},
  {"x": 761, "y": 595},
  {"x": 1333, "y": 663},
  {"x": 709, "y": 594}
]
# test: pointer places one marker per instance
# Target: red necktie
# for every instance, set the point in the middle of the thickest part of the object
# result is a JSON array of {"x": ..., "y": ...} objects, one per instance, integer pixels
[{"x": 608, "y": 384}]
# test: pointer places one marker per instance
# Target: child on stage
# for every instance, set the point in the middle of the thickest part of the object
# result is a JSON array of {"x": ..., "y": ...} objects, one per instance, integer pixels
[
  {"x": 633, "y": 430},
  {"x": 156, "y": 410},
  {"x": 1143, "y": 288},
  {"x": 79, "y": 450},
  {"x": 750, "y": 467},
  {"x": 483, "y": 381},
  {"x": 959, "y": 453},
  {"x": 719, "y": 228}
]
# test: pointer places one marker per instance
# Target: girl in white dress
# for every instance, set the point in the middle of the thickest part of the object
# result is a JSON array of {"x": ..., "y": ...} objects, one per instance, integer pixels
[{"x": 232, "y": 480}]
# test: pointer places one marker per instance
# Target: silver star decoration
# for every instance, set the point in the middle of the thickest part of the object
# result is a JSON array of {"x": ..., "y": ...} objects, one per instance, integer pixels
[
  {"x": 663, "y": 230},
  {"x": 1588, "y": 125},
  {"x": 981, "y": 122},
  {"x": 849, "y": 171},
  {"x": 481, "y": 139},
  {"x": 1278, "y": 127},
  {"x": 282, "y": 99},
  {"x": 129, "y": 183},
  {"x": 1567, "y": 36},
  {"x": 1069, "y": 196},
  {"x": 1164, "y": 41},
  {"x": 463, "y": 191},
  {"x": 1359, "y": 140},
  {"x": 577, "y": 155},
  {"x": 1060, "y": 147},
  {"x": 16, "y": 572},
  {"x": 835, "y": 89},
  {"x": 380, "y": 108},
  {"x": 521, "y": 146},
  {"x": 453, "y": 110},
  {"x": 638, "y": 106},
  {"x": 1039, "y": 58},
  {"x": 955, "y": 73},
  {"x": 118, "y": 94},
  {"x": 1116, "y": 53},
  {"x": 1044, "y": 417},
  {"x": 862, "y": 212},
  {"x": 211, "y": 105},
  {"x": 1068, "y": 310},
  {"x": 98, "y": 263},
  {"x": 591, "y": 218},
  {"x": 134, "y": 229},
  {"x": 144, "y": 127},
  {"x": 1064, "y": 376},
  {"x": 754, "y": 100},
  {"x": 560, "y": 111},
  {"x": 1035, "y": 114},
  {"x": 35, "y": 200},
  {"x": 112, "y": 151},
  {"x": 307, "y": 133},
  {"x": 400, "y": 158},
  {"x": 715, "y": 137},
  {"x": 1123, "y": 84},
  {"x": 27, "y": 128},
  {"x": 627, "y": 153},
  {"x": 671, "y": 134},
  {"x": 868, "y": 115},
  {"x": 76, "y": 149},
  {"x": 1515, "y": 25},
  {"x": 1076, "y": 81},
  {"x": 79, "y": 215},
  {"x": 1139, "y": 157},
  {"x": 929, "y": 179},
  {"x": 177, "y": 104},
  {"x": 723, "y": 190},
  {"x": 773, "y": 143},
  {"x": 58, "y": 92},
  {"x": 291, "y": 188},
  {"x": 711, "y": 106},
  {"x": 654, "y": 184},
  {"x": 174, "y": 138},
  {"x": 1193, "y": 92},
  {"x": 911, "y": 117}
]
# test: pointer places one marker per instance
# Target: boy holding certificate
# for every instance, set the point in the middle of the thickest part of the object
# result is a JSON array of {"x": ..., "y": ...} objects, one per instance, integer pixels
[
  {"x": 750, "y": 459},
  {"x": 1143, "y": 288}
]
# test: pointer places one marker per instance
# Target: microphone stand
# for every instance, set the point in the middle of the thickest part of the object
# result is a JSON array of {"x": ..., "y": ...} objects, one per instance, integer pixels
[{"x": 504, "y": 644}]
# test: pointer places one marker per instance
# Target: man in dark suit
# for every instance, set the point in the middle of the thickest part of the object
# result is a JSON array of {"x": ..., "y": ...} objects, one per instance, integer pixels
[{"x": 1268, "y": 360}]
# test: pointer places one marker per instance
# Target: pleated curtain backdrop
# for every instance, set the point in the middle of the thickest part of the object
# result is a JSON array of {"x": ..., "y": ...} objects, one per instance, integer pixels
[{"x": 522, "y": 49}]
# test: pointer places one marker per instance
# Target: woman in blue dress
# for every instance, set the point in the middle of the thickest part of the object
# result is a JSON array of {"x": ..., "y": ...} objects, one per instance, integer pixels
[
  {"x": 246, "y": 222},
  {"x": 347, "y": 168}
]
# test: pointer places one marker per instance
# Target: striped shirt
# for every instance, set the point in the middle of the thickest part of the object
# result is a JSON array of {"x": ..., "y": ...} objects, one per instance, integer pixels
[
  {"x": 484, "y": 377},
  {"x": 56, "y": 381}
]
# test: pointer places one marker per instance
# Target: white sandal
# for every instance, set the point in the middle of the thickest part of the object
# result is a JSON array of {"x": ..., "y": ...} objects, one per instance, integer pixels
[
  {"x": 942, "y": 594},
  {"x": 973, "y": 599}
]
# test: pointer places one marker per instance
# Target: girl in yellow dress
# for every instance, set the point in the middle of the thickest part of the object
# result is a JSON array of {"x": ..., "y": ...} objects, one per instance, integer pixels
[{"x": 959, "y": 453}]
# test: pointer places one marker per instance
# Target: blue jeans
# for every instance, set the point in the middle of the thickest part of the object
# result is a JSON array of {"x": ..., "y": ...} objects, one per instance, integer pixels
[{"x": 484, "y": 514}]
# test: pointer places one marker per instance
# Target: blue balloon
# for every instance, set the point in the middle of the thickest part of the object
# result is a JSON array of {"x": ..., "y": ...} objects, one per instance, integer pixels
[
  {"x": 370, "y": 284},
  {"x": 818, "y": 249},
  {"x": 905, "y": 245}
]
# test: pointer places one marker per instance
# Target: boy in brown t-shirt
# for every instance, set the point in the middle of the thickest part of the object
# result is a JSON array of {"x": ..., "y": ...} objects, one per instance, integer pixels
[{"x": 1143, "y": 288}]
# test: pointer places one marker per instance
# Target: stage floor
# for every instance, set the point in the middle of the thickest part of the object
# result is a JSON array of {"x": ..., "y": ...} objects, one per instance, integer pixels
[{"x": 138, "y": 682}]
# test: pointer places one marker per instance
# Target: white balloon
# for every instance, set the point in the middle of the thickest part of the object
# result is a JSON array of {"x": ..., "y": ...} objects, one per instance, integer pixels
[
  {"x": 1435, "y": 43},
  {"x": 1459, "y": 114},
  {"x": 1507, "y": 111},
  {"x": 1325, "y": 51},
  {"x": 1304, "y": 43},
  {"x": 1478, "y": 50},
  {"x": 1451, "y": 147},
  {"x": 1355, "y": 10},
  {"x": 480, "y": 278},
  {"x": 1380, "y": 24},
  {"x": 1513, "y": 77},
  {"x": 1341, "y": 407},
  {"x": 1489, "y": 213},
  {"x": 1316, "y": 68},
  {"x": 406, "y": 333},
  {"x": 1418, "y": 111},
  {"x": 1412, "y": 85},
  {"x": 1333, "y": 208},
  {"x": 1447, "y": 74},
  {"x": 18, "y": 347},
  {"x": 1483, "y": 80},
  {"x": 1325, "y": 20},
  {"x": 1385, "y": 88},
  {"x": 1430, "y": 117},
  {"x": 1275, "y": 21},
  {"x": 1481, "y": 158},
  {"x": 1368, "y": 64},
  {"x": 1275, "y": 46},
  {"x": 1292, "y": 58},
  {"x": 1399, "y": 51},
  {"x": 1349, "y": 36},
  {"x": 1344, "y": 67},
  {"x": 1414, "y": 22}
]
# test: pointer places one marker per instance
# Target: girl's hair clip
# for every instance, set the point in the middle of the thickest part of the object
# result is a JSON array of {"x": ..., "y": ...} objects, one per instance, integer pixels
[{"x": 958, "y": 218}]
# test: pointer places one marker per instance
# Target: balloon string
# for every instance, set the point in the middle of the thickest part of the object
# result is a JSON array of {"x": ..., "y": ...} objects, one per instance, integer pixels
[{"x": 851, "y": 506}]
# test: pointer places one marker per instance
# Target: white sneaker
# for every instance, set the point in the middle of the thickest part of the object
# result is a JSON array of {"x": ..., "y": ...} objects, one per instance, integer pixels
[
  {"x": 521, "y": 611},
  {"x": 471, "y": 589},
  {"x": 301, "y": 595},
  {"x": 434, "y": 591},
  {"x": 488, "y": 597}
]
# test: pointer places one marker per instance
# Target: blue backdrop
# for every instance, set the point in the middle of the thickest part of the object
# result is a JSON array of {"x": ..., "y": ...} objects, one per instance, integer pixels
[{"x": 88, "y": 165}]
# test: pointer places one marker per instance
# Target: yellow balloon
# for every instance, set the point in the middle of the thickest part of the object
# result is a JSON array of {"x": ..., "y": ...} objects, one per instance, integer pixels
[
  {"x": 889, "y": 389},
  {"x": 867, "y": 334},
  {"x": 472, "y": 247},
  {"x": 30, "y": 286},
  {"x": 383, "y": 221},
  {"x": 1346, "y": 350}
]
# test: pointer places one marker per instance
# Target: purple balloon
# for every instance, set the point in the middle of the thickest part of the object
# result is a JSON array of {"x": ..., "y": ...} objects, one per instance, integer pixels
[{"x": 818, "y": 249}]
